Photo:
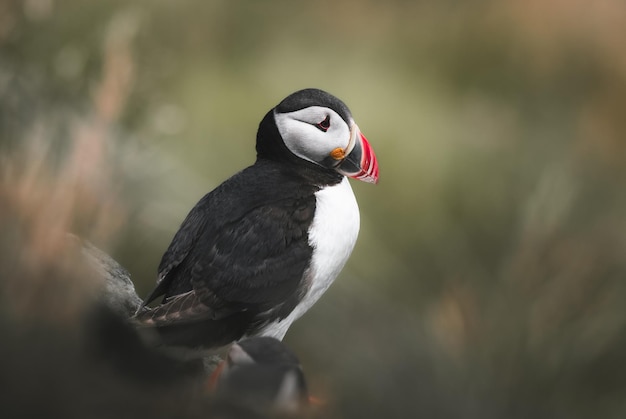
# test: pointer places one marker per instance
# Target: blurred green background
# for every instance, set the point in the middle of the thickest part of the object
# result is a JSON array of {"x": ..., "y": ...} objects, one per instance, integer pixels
[{"x": 490, "y": 273}]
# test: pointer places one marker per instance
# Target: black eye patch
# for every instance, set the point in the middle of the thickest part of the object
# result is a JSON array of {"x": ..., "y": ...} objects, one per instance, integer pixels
[{"x": 324, "y": 125}]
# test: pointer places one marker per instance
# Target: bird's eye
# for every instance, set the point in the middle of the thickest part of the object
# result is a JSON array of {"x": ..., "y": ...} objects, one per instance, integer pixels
[{"x": 325, "y": 124}]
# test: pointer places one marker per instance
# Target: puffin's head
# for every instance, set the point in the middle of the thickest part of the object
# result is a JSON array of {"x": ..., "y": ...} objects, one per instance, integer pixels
[
  {"x": 317, "y": 127},
  {"x": 263, "y": 373}
]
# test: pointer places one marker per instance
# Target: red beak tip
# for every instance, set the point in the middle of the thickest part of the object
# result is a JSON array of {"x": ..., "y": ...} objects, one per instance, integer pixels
[{"x": 369, "y": 163}]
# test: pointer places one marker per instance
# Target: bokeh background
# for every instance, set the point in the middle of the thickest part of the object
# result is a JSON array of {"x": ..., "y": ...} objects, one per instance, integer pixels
[{"x": 490, "y": 275}]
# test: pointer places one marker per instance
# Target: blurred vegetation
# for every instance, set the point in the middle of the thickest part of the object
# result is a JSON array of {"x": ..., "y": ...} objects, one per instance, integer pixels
[{"x": 489, "y": 277}]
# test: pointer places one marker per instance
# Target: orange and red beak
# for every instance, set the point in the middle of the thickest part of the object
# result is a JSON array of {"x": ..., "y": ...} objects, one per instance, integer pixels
[{"x": 359, "y": 161}]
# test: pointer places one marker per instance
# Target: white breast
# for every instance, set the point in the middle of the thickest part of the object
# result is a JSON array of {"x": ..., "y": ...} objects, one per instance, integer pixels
[{"x": 332, "y": 236}]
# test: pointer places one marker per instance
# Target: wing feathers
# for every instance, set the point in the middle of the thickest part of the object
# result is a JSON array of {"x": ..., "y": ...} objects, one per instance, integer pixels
[{"x": 242, "y": 249}]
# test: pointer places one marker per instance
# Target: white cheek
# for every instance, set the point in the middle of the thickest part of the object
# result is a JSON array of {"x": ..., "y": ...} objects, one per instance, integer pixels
[
  {"x": 303, "y": 140},
  {"x": 306, "y": 141}
]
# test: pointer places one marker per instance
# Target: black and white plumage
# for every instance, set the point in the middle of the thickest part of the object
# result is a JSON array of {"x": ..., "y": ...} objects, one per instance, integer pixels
[
  {"x": 262, "y": 374},
  {"x": 259, "y": 250}
]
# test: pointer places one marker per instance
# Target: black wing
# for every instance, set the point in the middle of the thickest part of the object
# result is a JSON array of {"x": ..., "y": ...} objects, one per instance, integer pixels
[
  {"x": 237, "y": 253},
  {"x": 257, "y": 262},
  {"x": 179, "y": 248}
]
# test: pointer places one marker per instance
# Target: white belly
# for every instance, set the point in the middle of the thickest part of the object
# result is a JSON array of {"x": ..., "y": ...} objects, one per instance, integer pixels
[{"x": 332, "y": 236}]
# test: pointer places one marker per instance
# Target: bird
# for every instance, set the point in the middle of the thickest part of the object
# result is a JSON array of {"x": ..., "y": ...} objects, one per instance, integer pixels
[
  {"x": 262, "y": 374},
  {"x": 254, "y": 254}
]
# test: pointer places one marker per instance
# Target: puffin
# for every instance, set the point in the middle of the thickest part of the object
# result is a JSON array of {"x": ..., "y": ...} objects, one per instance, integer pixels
[
  {"x": 254, "y": 254},
  {"x": 261, "y": 373}
]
